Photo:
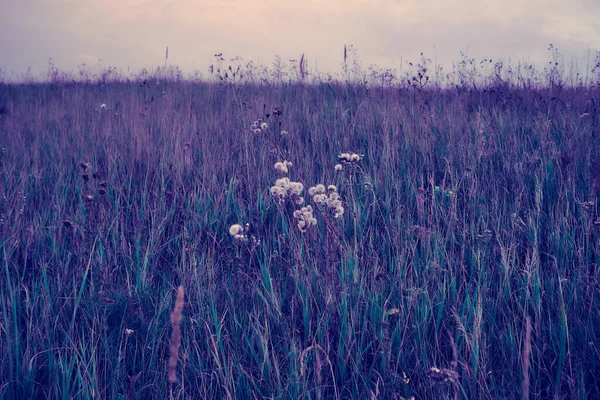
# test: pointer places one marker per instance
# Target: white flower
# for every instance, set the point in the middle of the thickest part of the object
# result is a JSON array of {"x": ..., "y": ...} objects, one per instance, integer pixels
[
  {"x": 283, "y": 182},
  {"x": 338, "y": 167},
  {"x": 264, "y": 126},
  {"x": 296, "y": 188},
  {"x": 335, "y": 203},
  {"x": 305, "y": 218},
  {"x": 331, "y": 188},
  {"x": 284, "y": 133},
  {"x": 277, "y": 191},
  {"x": 349, "y": 158},
  {"x": 257, "y": 131},
  {"x": 281, "y": 167},
  {"x": 284, "y": 188},
  {"x": 103, "y": 106},
  {"x": 235, "y": 229},
  {"x": 344, "y": 157},
  {"x": 320, "y": 188},
  {"x": 128, "y": 331}
]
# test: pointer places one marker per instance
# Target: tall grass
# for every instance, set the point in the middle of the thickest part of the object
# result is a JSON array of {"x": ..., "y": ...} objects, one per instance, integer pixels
[{"x": 466, "y": 264}]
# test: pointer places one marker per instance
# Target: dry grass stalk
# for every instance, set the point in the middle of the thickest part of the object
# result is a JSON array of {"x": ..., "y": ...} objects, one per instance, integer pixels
[
  {"x": 175, "y": 334},
  {"x": 526, "y": 362}
]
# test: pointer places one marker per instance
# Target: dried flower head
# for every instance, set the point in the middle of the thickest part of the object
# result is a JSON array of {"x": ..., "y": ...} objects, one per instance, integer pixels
[
  {"x": 330, "y": 202},
  {"x": 281, "y": 167},
  {"x": 235, "y": 229},
  {"x": 442, "y": 375},
  {"x": 285, "y": 188},
  {"x": 264, "y": 126},
  {"x": 305, "y": 218},
  {"x": 338, "y": 167},
  {"x": 317, "y": 189},
  {"x": 349, "y": 158}
]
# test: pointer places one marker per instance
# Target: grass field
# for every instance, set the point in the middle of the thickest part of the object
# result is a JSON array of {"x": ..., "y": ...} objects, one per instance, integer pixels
[{"x": 465, "y": 263}]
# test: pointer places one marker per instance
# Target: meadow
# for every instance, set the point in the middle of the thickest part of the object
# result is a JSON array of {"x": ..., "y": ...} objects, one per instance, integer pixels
[{"x": 456, "y": 255}]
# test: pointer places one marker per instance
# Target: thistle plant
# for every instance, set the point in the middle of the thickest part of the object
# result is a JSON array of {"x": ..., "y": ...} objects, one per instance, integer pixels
[
  {"x": 349, "y": 162},
  {"x": 326, "y": 202}
]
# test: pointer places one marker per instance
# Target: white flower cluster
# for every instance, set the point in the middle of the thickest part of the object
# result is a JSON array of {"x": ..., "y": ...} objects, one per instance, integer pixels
[
  {"x": 284, "y": 188},
  {"x": 243, "y": 234},
  {"x": 237, "y": 231},
  {"x": 348, "y": 158},
  {"x": 305, "y": 218},
  {"x": 282, "y": 166},
  {"x": 259, "y": 126},
  {"x": 329, "y": 199}
]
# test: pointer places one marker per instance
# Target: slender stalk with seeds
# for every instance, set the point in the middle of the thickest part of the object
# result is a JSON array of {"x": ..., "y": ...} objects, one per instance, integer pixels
[{"x": 175, "y": 336}]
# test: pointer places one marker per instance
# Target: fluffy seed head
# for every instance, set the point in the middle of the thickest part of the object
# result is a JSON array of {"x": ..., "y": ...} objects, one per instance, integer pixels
[
  {"x": 235, "y": 229},
  {"x": 281, "y": 167}
]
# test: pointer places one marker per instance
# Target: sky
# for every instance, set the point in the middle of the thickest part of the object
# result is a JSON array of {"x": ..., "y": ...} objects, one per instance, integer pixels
[{"x": 134, "y": 34}]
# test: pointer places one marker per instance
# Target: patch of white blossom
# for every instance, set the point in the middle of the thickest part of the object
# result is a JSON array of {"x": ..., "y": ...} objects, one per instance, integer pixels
[
  {"x": 282, "y": 166},
  {"x": 348, "y": 158},
  {"x": 259, "y": 126},
  {"x": 305, "y": 218},
  {"x": 328, "y": 200},
  {"x": 284, "y": 189}
]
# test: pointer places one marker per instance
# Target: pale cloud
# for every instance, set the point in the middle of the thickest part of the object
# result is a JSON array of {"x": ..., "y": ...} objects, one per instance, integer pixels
[{"x": 135, "y": 33}]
